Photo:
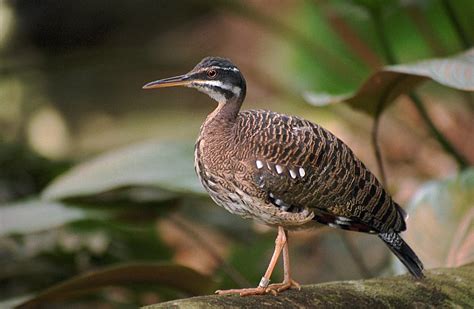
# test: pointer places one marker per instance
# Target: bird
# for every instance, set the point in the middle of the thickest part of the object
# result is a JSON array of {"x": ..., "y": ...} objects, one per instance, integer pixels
[{"x": 284, "y": 171}]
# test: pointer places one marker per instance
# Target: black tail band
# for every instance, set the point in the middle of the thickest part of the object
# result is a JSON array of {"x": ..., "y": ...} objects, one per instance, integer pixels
[{"x": 404, "y": 253}]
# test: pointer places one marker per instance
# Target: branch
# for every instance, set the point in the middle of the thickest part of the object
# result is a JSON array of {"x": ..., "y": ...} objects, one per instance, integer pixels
[{"x": 443, "y": 287}]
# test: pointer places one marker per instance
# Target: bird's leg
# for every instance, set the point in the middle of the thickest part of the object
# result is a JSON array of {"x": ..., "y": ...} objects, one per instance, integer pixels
[
  {"x": 287, "y": 283},
  {"x": 262, "y": 288}
]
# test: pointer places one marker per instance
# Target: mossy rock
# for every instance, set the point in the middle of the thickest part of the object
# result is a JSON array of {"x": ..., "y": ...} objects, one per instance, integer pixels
[{"x": 442, "y": 288}]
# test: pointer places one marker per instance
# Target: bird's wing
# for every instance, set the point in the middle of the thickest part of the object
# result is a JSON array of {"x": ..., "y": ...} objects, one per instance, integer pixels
[{"x": 300, "y": 164}]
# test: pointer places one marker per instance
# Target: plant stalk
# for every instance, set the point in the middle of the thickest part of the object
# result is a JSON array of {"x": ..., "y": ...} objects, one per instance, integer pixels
[
  {"x": 391, "y": 59},
  {"x": 448, "y": 147},
  {"x": 456, "y": 24}
]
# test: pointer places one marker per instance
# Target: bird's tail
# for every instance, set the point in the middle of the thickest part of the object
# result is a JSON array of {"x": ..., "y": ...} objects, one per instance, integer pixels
[{"x": 404, "y": 253}]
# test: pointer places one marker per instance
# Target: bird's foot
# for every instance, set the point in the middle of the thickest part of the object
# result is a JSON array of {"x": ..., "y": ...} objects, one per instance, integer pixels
[
  {"x": 279, "y": 287},
  {"x": 273, "y": 289},
  {"x": 244, "y": 292}
]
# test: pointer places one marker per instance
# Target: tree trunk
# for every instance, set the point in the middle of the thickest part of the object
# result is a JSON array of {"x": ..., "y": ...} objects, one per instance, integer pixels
[{"x": 443, "y": 287}]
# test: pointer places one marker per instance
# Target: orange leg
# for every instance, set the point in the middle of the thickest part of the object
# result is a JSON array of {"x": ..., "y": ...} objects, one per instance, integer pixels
[
  {"x": 287, "y": 283},
  {"x": 281, "y": 243}
]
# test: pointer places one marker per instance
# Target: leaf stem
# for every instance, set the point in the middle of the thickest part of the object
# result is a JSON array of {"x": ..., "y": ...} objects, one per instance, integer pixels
[
  {"x": 389, "y": 55},
  {"x": 375, "y": 144},
  {"x": 228, "y": 269},
  {"x": 391, "y": 59},
  {"x": 456, "y": 24},
  {"x": 356, "y": 256},
  {"x": 448, "y": 147}
]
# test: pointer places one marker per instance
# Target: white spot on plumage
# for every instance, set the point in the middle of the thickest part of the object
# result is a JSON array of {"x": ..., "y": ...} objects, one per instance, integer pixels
[
  {"x": 234, "y": 196},
  {"x": 278, "y": 169},
  {"x": 341, "y": 222},
  {"x": 211, "y": 183},
  {"x": 271, "y": 195},
  {"x": 301, "y": 172},
  {"x": 259, "y": 164},
  {"x": 278, "y": 202},
  {"x": 343, "y": 219},
  {"x": 292, "y": 174},
  {"x": 333, "y": 225}
]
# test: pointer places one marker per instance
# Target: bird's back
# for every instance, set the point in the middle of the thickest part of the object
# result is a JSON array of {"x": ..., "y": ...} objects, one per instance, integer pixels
[{"x": 298, "y": 164}]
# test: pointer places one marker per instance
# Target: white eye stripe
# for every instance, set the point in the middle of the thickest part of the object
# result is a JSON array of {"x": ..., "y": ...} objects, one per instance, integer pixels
[
  {"x": 217, "y": 83},
  {"x": 225, "y": 68}
]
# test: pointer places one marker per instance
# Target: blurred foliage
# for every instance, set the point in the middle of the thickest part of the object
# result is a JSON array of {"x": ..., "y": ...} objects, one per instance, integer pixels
[
  {"x": 128, "y": 223},
  {"x": 24, "y": 172},
  {"x": 15, "y": 218},
  {"x": 172, "y": 171},
  {"x": 444, "y": 211},
  {"x": 149, "y": 275},
  {"x": 393, "y": 81}
]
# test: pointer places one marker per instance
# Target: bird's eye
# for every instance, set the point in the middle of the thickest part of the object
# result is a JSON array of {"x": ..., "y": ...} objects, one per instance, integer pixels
[{"x": 212, "y": 73}]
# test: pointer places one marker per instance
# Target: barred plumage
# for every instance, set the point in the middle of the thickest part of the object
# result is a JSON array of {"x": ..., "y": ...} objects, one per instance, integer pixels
[
  {"x": 284, "y": 170},
  {"x": 270, "y": 149}
]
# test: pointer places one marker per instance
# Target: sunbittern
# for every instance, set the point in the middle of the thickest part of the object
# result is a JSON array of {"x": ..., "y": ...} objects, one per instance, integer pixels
[{"x": 284, "y": 171}]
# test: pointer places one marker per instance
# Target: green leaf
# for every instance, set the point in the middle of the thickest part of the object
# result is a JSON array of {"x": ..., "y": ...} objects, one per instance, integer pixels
[
  {"x": 385, "y": 85},
  {"x": 441, "y": 223},
  {"x": 36, "y": 215},
  {"x": 169, "y": 275},
  {"x": 164, "y": 166}
]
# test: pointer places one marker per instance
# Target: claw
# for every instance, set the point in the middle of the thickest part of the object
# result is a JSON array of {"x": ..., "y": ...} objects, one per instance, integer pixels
[
  {"x": 273, "y": 289},
  {"x": 279, "y": 287}
]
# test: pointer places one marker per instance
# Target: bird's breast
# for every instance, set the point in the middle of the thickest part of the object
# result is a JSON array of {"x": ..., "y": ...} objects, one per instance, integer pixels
[{"x": 218, "y": 173}]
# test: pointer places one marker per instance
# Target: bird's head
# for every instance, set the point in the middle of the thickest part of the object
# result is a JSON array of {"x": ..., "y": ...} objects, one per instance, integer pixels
[{"x": 217, "y": 77}]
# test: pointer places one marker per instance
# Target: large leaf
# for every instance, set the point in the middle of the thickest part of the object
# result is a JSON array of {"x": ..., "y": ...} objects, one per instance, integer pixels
[
  {"x": 169, "y": 275},
  {"x": 35, "y": 215},
  {"x": 165, "y": 166},
  {"x": 13, "y": 302},
  {"x": 441, "y": 223},
  {"x": 385, "y": 85}
]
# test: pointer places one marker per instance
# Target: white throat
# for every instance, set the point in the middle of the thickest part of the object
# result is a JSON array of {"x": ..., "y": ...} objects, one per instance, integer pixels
[{"x": 219, "y": 97}]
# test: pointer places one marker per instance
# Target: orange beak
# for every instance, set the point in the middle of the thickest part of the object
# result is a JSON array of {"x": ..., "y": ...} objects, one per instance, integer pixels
[{"x": 182, "y": 80}]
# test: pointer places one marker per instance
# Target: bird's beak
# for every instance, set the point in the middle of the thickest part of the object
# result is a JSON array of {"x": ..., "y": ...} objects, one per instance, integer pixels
[{"x": 182, "y": 80}]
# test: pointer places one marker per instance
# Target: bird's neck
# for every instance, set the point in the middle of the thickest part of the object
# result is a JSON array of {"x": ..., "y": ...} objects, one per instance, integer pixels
[{"x": 223, "y": 118}]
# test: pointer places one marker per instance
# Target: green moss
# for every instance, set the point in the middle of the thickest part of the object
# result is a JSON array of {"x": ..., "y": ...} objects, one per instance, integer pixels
[{"x": 446, "y": 287}]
